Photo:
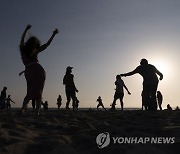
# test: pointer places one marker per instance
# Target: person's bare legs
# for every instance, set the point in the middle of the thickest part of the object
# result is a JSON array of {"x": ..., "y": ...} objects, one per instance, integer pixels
[
  {"x": 113, "y": 104},
  {"x": 38, "y": 106},
  {"x": 159, "y": 103},
  {"x": 104, "y": 108},
  {"x": 24, "y": 106},
  {"x": 74, "y": 103},
  {"x": 122, "y": 104}
]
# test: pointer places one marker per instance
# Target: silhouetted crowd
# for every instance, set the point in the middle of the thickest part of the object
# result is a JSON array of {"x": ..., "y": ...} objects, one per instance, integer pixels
[{"x": 35, "y": 76}]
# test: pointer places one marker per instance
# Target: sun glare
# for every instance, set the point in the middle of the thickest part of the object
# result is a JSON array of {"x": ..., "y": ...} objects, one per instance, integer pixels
[{"x": 162, "y": 66}]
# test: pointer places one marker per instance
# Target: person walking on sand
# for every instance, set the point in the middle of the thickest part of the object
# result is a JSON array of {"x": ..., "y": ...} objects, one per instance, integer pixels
[
  {"x": 119, "y": 93},
  {"x": 8, "y": 102},
  {"x": 150, "y": 82},
  {"x": 100, "y": 103},
  {"x": 70, "y": 88},
  {"x": 59, "y": 101},
  {"x": 159, "y": 99},
  {"x": 34, "y": 72}
]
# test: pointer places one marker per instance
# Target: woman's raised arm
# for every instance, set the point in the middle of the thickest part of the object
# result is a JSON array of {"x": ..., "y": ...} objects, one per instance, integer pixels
[
  {"x": 44, "y": 46},
  {"x": 23, "y": 35}
]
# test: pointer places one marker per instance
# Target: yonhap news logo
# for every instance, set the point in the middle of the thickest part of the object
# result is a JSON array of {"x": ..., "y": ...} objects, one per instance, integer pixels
[{"x": 104, "y": 139}]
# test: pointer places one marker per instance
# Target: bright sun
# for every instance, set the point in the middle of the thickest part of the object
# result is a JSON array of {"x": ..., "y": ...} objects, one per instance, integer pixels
[{"x": 162, "y": 66}]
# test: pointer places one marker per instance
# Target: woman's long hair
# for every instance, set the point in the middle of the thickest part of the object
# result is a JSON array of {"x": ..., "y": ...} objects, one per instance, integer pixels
[{"x": 31, "y": 47}]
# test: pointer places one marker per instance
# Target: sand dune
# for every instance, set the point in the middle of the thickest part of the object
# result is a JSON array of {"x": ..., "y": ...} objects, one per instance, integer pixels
[{"x": 69, "y": 132}]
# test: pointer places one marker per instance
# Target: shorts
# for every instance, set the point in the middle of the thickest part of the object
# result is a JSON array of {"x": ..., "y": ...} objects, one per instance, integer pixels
[
  {"x": 118, "y": 95},
  {"x": 70, "y": 94}
]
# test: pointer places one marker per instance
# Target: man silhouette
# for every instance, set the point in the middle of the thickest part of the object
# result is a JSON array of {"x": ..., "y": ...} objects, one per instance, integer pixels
[{"x": 150, "y": 82}]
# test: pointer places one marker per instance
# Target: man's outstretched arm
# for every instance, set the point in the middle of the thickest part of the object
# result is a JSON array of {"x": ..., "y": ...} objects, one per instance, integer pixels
[{"x": 130, "y": 73}]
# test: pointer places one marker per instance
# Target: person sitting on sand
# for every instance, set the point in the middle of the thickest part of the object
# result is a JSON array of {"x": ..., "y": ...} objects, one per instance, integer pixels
[
  {"x": 34, "y": 72},
  {"x": 119, "y": 93},
  {"x": 8, "y": 102},
  {"x": 100, "y": 103},
  {"x": 59, "y": 101},
  {"x": 70, "y": 88},
  {"x": 177, "y": 108},
  {"x": 150, "y": 82},
  {"x": 45, "y": 105},
  {"x": 169, "y": 107},
  {"x": 159, "y": 99}
]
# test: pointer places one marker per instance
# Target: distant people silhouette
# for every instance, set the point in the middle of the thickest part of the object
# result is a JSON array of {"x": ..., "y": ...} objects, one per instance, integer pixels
[
  {"x": 150, "y": 83},
  {"x": 8, "y": 102},
  {"x": 159, "y": 99},
  {"x": 45, "y": 105},
  {"x": 70, "y": 88},
  {"x": 100, "y": 103},
  {"x": 3, "y": 97},
  {"x": 177, "y": 108},
  {"x": 169, "y": 107},
  {"x": 119, "y": 93},
  {"x": 3, "y": 93},
  {"x": 59, "y": 101},
  {"x": 34, "y": 72}
]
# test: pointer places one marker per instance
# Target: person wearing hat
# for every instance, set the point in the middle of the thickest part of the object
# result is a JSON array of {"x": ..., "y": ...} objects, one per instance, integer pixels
[
  {"x": 150, "y": 82},
  {"x": 70, "y": 88}
]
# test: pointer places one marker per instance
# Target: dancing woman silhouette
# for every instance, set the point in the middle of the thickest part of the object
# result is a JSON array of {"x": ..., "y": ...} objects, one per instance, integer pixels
[{"x": 34, "y": 72}]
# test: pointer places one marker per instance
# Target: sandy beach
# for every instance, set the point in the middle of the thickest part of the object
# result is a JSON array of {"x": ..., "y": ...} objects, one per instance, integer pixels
[{"x": 72, "y": 132}]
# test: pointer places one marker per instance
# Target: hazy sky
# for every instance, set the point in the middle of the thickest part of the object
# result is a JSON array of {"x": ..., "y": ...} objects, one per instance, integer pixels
[{"x": 100, "y": 39}]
